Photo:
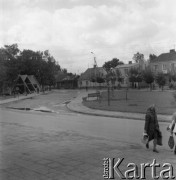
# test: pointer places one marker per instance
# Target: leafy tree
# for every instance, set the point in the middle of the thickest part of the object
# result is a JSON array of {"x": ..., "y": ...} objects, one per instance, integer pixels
[
  {"x": 64, "y": 70},
  {"x": 111, "y": 77},
  {"x": 152, "y": 57},
  {"x": 148, "y": 77},
  {"x": 3, "y": 69},
  {"x": 112, "y": 64},
  {"x": 100, "y": 80},
  {"x": 161, "y": 80},
  {"x": 119, "y": 77},
  {"x": 12, "y": 50},
  {"x": 12, "y": 62},
  {"x": 138, "y": 57},
  {"x": 40, "y": 64},
  {"x": 172, "y": 76},
  {"x": 135, "y": 76}
]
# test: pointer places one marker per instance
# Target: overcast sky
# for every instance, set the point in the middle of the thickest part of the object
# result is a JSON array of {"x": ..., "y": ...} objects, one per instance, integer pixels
[{"x": 72, "y": 29}]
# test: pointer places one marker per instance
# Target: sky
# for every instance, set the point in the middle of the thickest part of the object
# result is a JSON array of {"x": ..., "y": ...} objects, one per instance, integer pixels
[{"x": 72, "y": 29}]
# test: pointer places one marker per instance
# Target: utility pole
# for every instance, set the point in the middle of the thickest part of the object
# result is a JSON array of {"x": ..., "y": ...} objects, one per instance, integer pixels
[{"x": 94, "y": 66}]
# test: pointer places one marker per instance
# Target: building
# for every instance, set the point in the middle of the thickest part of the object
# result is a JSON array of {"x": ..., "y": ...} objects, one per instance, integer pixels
[
  {"x": 90, "y": 76},
  {"x": 124, "y": 71},
  {"x": 164, "y": 63},
  {"x": 26, "y": 84},
  {"x": 68, "y": 82}
]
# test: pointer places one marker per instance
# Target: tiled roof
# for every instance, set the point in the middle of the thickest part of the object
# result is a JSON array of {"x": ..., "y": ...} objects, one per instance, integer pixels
[
  {"x": 23, "y": 77},
  {"x": 98, "y": 71},
  {"x": 171, "y": 56},
  {"x": 60, "y": 76},
  {"x": 33, "y": 79}
]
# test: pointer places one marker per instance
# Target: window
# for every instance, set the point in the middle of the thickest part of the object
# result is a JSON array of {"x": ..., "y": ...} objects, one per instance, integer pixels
[
  {"x": 155, "y": 67},
  {"x": 126, "y": 71},
  {"x": 122, "y": 82},
  {"x": 164, "y": 67},
  {"x": 172, "y": 66}
]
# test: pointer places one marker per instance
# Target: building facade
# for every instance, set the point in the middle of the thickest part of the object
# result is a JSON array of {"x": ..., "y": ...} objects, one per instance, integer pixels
[
  {"x": 164, "y": 63},
  {"x": 124, "y": 71},
  {"x": 88, "y": 79}
]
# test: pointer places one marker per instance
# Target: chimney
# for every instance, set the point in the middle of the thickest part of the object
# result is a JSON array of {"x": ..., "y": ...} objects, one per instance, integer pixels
[
  {"x": 129, "y": 62},
  {"x": 172, "y": 50}
]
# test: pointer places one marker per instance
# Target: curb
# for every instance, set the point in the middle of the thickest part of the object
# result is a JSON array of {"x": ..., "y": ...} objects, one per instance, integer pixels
[
  {"x": 17, "y": 99},
  {"x": 125, "y": 116}
]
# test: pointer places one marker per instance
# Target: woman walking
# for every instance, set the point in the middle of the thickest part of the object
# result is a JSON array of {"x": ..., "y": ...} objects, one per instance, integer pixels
[
  {"x": 151, "y": 127},
  {"x": 172, "y": 129}
]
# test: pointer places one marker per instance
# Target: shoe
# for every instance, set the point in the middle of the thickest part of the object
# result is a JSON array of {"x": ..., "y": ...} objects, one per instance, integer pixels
[
  {"x": 147, "y": 145},
  {"x": 154, "y": 150}
]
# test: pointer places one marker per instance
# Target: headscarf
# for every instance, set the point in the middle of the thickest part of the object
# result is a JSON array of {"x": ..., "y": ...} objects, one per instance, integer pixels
[{"x": 151, "y": 109}]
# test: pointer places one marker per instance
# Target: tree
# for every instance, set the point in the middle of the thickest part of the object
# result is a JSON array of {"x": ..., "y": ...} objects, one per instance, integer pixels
[
  {"x": 135, "y": 76},
  {"x": 138, "y": 57},
  {"x": 3, "y": 69},
  {"x": 14, "y": 62},
  {"x": 152, "y": 57},
  {"x": 12, "y": 50},
  {"x": 64, "y": 70},
  {"x": 161, "y": 80},
  {"x": 172, "y": 79},
  {"x": 100, "y": 80},
  {"x": 148, "y": 77},
  {"x": 112, "y": 64},
  {"x": 119, "y": 77},
  {"x": 172, "y": 76}
]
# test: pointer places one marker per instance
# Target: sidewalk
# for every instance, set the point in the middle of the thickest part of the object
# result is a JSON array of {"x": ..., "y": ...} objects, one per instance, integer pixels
[
  {"x": 21, "y": 97},
  {"x": 77, "y": 106}
]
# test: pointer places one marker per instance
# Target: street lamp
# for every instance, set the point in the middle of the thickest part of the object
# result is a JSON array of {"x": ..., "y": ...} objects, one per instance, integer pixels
[{"x": 95, "y": 65}]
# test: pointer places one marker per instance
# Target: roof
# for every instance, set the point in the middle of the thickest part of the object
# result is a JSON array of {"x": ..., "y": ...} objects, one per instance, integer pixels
[
  {"x": 171, "y": 56},
  {"x": 97, "y": 71},
  {"x": 33, "y": 79},
  {"x": 60, "y": 76},
  {"x": 23, "y": 77},
  {"x": 69, "y": 78}
]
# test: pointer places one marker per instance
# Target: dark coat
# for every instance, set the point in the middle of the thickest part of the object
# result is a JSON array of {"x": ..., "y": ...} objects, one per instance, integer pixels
[{"x": 151, "y": 124}]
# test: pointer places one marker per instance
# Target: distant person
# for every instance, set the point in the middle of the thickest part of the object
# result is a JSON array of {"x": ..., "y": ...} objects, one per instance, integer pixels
[
  {"x": 151, "y": 127},
  {"x": 172, "y": 129}
]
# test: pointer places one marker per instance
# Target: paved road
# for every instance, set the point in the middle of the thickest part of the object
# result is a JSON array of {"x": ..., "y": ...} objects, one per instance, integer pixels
[{"x": 66, "y": 145}]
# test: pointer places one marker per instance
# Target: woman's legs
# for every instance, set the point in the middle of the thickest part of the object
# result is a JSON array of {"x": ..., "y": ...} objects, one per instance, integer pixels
[
  {"x": 154, "y": 145},
  {"x": 175, "y": 144}
]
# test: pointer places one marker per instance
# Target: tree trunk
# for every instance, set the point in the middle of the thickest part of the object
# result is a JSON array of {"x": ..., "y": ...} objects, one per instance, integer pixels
[{"x": 150, "y": 87}]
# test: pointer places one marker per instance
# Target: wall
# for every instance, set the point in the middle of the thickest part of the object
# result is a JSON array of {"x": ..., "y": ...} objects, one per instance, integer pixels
[{"x": 160, "y": 66}]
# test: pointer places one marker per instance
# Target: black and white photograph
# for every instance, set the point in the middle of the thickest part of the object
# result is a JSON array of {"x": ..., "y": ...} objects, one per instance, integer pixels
[{"x": 87, "y": 89}]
